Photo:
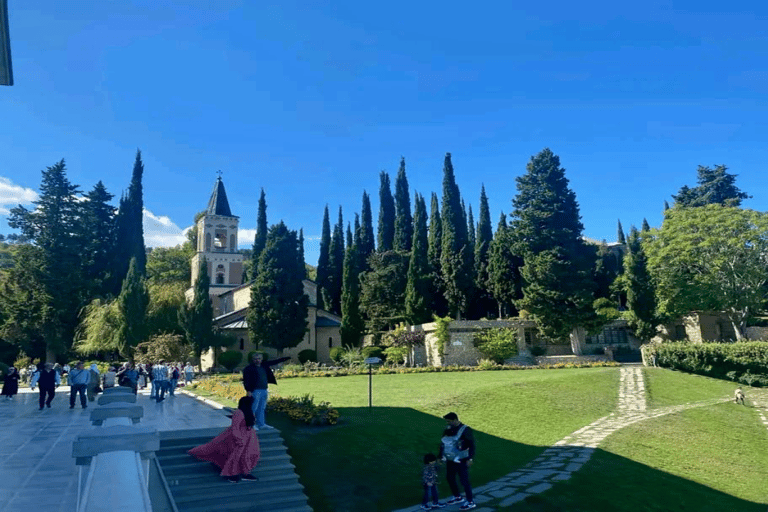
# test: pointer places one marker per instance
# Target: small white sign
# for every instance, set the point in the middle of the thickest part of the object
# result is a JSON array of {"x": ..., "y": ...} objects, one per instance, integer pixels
[{"x": 457, "y": 342}]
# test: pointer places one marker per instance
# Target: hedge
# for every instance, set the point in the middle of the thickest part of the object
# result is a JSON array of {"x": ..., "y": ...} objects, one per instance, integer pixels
[{"x": 744, "y": 362}]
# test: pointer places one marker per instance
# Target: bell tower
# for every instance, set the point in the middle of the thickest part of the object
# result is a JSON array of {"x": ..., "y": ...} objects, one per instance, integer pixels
[{"x": 217, "y": 243}]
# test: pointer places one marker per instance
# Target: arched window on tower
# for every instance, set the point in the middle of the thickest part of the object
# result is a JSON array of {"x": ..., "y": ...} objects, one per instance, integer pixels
[
  {"x": 220, "y": 243},
  {"x": 232, "y": 242},
  {"x": 330, "y": 342},
  {"x": 220, "y": 274},
  {"x": 207, "y": 241},
  {"x": 242, "y": 344}
]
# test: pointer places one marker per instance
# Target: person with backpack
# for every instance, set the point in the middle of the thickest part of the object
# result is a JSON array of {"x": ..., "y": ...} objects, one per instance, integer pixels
[{"x": 457, "y": 449}]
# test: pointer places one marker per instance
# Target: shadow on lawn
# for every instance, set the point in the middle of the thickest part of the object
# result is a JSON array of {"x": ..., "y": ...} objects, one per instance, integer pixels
[
  {"x": 372, "y": 462},
  {"x": 611, "y": 483}
]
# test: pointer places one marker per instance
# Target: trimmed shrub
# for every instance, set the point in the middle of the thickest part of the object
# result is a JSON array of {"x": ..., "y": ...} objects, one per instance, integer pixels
[
  {"x": 744, "y": 362},
  {"x": 498, "y": 345},
  {"x": 307, "y": 355},
  {"x": 373, "y": 352},
  {"x": 304, "y": 409},
  {"x": 336, "y": 354},
  {"x": 352, "y": 356},
  {"x": 230, "y": 359},
  {"x": 396, "y": 355}
]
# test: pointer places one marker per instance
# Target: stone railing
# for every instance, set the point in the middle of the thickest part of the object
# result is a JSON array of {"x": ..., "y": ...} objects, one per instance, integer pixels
[{"x": 117, "y": 468}]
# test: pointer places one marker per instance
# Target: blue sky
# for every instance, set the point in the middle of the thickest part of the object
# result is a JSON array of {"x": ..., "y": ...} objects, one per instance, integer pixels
[{"x": 310, "y": 101}]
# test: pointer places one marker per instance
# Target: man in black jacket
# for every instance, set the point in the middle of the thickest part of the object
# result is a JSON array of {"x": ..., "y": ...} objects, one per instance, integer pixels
[
  {"x": 256, "y": 379},
  {"x": 457, "y": 449},
  {"x": 47, "y": 379}
]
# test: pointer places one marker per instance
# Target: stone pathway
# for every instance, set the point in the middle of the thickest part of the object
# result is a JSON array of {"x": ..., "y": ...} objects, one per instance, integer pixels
[{"x": 568, "y": 455}]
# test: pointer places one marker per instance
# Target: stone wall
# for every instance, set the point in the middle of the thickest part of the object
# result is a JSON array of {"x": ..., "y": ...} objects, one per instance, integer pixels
[
  {"x": 571, "y": 359},
  {"x": 757, "y": 333}
]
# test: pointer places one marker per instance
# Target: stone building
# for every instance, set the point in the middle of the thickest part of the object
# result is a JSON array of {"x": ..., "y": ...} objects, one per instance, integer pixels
[{"x": 217, "y": 243}]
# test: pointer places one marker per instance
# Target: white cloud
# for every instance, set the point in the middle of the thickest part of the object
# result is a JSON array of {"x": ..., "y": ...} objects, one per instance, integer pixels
[
  {"x": 162, "y": 232},
  {"x": 245, "y": 238},
  {"x": 12, "y": 195}
]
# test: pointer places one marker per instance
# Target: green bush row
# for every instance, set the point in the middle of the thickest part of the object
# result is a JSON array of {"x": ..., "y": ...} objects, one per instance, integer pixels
[{"x": 744, "y": 362}]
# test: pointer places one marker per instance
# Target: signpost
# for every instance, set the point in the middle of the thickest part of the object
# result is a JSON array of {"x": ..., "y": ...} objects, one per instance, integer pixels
[{"x": 371, "y": 362}]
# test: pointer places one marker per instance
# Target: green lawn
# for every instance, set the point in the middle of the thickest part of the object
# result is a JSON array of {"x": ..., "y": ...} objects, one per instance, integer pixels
[{"x": 711, "y": 458}]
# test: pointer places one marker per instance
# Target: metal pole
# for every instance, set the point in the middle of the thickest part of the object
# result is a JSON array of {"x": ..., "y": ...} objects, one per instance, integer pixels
[{"x": 370, "y": 380}]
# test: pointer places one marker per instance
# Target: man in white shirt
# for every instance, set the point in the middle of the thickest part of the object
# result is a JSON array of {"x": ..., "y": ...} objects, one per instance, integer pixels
[{"x": 160, "y": 377}]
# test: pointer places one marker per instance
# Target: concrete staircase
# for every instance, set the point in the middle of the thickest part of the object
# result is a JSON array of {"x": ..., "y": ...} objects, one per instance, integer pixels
[{"x": 197, "y": 487}]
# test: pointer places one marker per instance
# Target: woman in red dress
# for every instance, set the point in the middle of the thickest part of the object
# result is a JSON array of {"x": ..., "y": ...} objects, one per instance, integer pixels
[{"x": 236, "y": 450}]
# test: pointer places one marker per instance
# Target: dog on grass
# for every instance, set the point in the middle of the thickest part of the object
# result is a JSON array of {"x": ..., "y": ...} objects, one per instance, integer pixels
[{"x": 738, "y": 396}]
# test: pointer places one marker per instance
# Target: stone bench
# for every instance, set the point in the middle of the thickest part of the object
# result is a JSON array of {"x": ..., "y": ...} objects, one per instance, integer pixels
[
  {"x": 117, "y": 389},
  {"x": 117, "y": 410},
  {"x": 117, "y": 397}
]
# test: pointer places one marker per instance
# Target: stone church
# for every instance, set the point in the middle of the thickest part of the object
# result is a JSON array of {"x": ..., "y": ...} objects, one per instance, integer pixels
[{"x": 217, "y": 243}]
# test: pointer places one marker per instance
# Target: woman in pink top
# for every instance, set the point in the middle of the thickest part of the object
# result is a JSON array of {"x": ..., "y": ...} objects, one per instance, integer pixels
[{"x": 236, "y": 450}]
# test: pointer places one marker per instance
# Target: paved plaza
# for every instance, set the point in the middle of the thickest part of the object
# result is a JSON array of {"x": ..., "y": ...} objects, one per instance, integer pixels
[{"x": 37, "y": 471}]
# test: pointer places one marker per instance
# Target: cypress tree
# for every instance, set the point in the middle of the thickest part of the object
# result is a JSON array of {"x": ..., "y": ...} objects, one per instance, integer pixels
[
  {"x": 620, "y": 235},
  {"x": 277, "y": 312},
  {"x": 418, "y": 288},
  {"x": 666, "y": 205},
  {"x": 260, "y": 239},
  {"x": 323, "y": 262},
  {"x": 302, "y": 261},
  {"x": 558, "y": 289},
  {"x": 349, "y": 237},
  {"x": 403, "y": 220},
  {"x": 503, "y": 281},
  {"x": 646, "y": 227},
  {"x": 386, "y": 231},
  {"x": 457, "y": 276},
  {"x": 132, "y": 306},
  {"x": 367, "y": 245},
  {"x": 136, "y": 215},
  {"x": 352, "y": 322},
  {"x": 434, "y": 251},
  {"x": 335, "y": 267},
  {"x": 483, "y": 240},
  {"x": 637, "y": 283},
  {"x": 196, "y": 317}
]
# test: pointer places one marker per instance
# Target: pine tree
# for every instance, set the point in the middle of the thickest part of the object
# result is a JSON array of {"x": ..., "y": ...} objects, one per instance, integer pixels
[
  {"x": 97, "y": 228},
  {"x": 418, "y": 288},
  {"x": 260, "y": 239},
  {"x": 323, "y": 262},
  {"x": 716, "y": 186},
  {"x": 367, "y": 245},
  {"x": 620, "y": 235},
  {"x": 132, "y": 306},
  {"x": 196, "y": 318},
  {"x": 558, "y": 289},
  {"x": 457, "y": 276},
  {"x": 403, "y": 220},
  {"x": 637, "y": 283},
  {"x": 352, "y": 322},
  {"x": 386, "y": 231},
  {"x": 54, "y": 227},
  {"x": 336, "y": 268},
  {"x": 277, "y": 313}
]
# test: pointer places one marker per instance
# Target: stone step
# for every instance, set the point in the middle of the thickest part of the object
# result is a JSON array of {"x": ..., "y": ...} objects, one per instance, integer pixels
[
  {"x": 204, "y": 470},
  {"x": 181, "y": 450},
  {"x": 226, "y": 490},
  {"x": 190, "y": 463},
  {"x": 212, "y": 479},
  {"x": 244, "y": 501}
]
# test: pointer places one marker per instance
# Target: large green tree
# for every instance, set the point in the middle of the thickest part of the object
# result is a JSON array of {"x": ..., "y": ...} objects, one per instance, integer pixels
[
  {"x": 558, "y": 289},
  {"x": 454, "y": 257},
  {"x": 130, "y": 225},
  {"x": 386, "y": 228},
  {"x": 277, "y": 313},
  {"x": 54, "y": 227},
  {"x": 97, "y": 228},
  {"x": 382, "y": 290},
  {"x": 170, "y": 264},
  {"x": 710, "y": 258},
  {"x": 434, "y": 252},
  {"x": 352, "y": 322},
  {"x": 367, "y": 244},
  {"x": 196, "y": 317},
  {"x": 716, "y": 186},
  {"x": 418, "y": 288},
  {"x": 403, "y": 220},
  {"x": 484, "y": 303},
  {"x": 332, "y": 297}
]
